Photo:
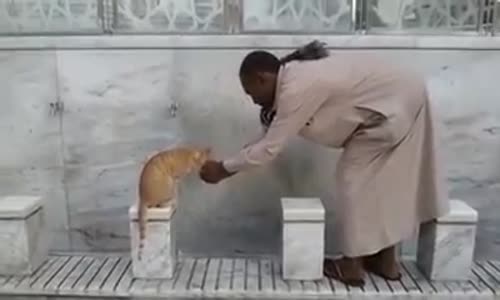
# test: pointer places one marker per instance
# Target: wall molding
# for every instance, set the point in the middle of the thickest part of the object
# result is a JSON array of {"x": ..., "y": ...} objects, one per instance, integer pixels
[{"x": 197, "y": 42}]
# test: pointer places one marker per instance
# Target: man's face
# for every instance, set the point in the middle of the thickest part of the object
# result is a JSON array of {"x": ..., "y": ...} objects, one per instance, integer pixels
[{"x": 260, "y": 87}]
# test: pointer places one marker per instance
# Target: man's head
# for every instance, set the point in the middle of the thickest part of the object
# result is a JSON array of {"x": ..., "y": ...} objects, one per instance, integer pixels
[{"x": 258, "y": 75}]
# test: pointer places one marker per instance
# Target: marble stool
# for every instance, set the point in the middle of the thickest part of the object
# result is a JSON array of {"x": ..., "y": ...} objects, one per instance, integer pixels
[
  {"x": 24, "y": 243},
  {"x": 446, "y": 245},
  {"x": 303, "y": 238},
  {"x": 159, "y": 254}
]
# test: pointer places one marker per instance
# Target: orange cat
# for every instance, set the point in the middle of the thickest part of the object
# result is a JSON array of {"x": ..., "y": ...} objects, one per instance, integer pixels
[{"x": 159, "y": 179}]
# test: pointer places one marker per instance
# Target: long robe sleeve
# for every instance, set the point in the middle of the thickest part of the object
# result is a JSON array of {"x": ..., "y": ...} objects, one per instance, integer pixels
[
  {"x": 261, "y": 134},
  {"x": 296, "y": 104}
]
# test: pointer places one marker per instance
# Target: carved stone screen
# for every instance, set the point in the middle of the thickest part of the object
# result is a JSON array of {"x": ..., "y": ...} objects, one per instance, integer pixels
[
  {"x": 169, "y": 16},
  {"x": 297, "y": 15},
  {"x": 423, "y": 15},
  {"x": 41, "y": 16}
]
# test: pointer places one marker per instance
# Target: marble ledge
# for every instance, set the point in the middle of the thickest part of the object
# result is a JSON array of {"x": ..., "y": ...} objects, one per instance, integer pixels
[
  {"x": 446, "y": 247},
  {"x": 303, "y": 238},
  {"x": 302, "y": 209},
  {"x": 24, "y": 243},
  {"x": 386, "y": 40},
  {"x": 19, "y": 207},
  {"x": 160, "y": 253},
  {"x": 157, "y": 214}
]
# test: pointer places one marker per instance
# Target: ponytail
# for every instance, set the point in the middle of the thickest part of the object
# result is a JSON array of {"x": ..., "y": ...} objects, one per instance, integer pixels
[{"x": 312, "y": 51}]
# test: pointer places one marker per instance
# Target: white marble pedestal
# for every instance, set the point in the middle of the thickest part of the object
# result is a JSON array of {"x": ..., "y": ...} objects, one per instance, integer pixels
[
  {"x": 24, "y": 243},
  {"x": 303, "y": 238},
  {"x": 446, "y": 246},
  {"x": 159, "y": 255}
]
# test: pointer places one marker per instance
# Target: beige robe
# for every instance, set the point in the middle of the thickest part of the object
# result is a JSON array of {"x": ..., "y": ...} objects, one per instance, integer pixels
[{"x": 388, "y": 178}]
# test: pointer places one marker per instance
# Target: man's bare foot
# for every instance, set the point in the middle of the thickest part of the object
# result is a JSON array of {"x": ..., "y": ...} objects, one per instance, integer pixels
[
  {"x": 384, "y": 264},
  {"x": 347, "y": 270}
]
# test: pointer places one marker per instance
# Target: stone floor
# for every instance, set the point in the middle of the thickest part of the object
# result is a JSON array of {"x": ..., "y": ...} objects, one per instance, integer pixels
[{"x": 109, "y": 277}]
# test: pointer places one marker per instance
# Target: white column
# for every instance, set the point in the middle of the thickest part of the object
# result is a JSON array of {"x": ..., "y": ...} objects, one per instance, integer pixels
[
  {"x": 159, "y": 255},
  {"x": 24, "y": 243},
  {"x": 446, "y": 246},
  {"x": 303, "y": 238}
]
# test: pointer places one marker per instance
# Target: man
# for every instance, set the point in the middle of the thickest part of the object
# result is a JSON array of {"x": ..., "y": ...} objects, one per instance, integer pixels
[{"x": 387, "y": 179}]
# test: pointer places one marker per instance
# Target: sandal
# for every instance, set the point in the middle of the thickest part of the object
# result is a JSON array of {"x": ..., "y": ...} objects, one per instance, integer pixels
[
  {"x": 375, "y": 264},
  {"x": 344, "y": 270}
]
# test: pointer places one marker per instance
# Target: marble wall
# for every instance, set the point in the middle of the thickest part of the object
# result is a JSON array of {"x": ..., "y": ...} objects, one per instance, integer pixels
[{"x": 117, "y": 110}]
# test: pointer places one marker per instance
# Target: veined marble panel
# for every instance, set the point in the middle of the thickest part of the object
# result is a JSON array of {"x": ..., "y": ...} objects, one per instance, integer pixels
[
  {"x": 117, "y": 106},
  {"x": 99, "y": 198},
  {"x": 28, "y": 85},
  {"x": 30, "y": 156}
]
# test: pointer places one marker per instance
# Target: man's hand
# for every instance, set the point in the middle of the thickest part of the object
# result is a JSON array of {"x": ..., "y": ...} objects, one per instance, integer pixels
[{"x": 213, "y": 172}]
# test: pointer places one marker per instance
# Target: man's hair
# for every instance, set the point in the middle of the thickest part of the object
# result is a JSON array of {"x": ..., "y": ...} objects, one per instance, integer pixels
[{"x": 263, "y": 61}]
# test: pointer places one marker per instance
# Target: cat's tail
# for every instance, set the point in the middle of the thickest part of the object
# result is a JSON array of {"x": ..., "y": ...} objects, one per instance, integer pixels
[{"x": 141, "y": 213}]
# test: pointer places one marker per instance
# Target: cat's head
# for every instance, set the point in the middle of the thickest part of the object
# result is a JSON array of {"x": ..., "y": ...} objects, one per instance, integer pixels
[{"x": 201, "y": 155}]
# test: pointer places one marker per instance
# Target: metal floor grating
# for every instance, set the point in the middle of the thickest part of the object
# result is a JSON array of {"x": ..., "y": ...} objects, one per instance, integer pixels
[{"x": 109, "y": 276}]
